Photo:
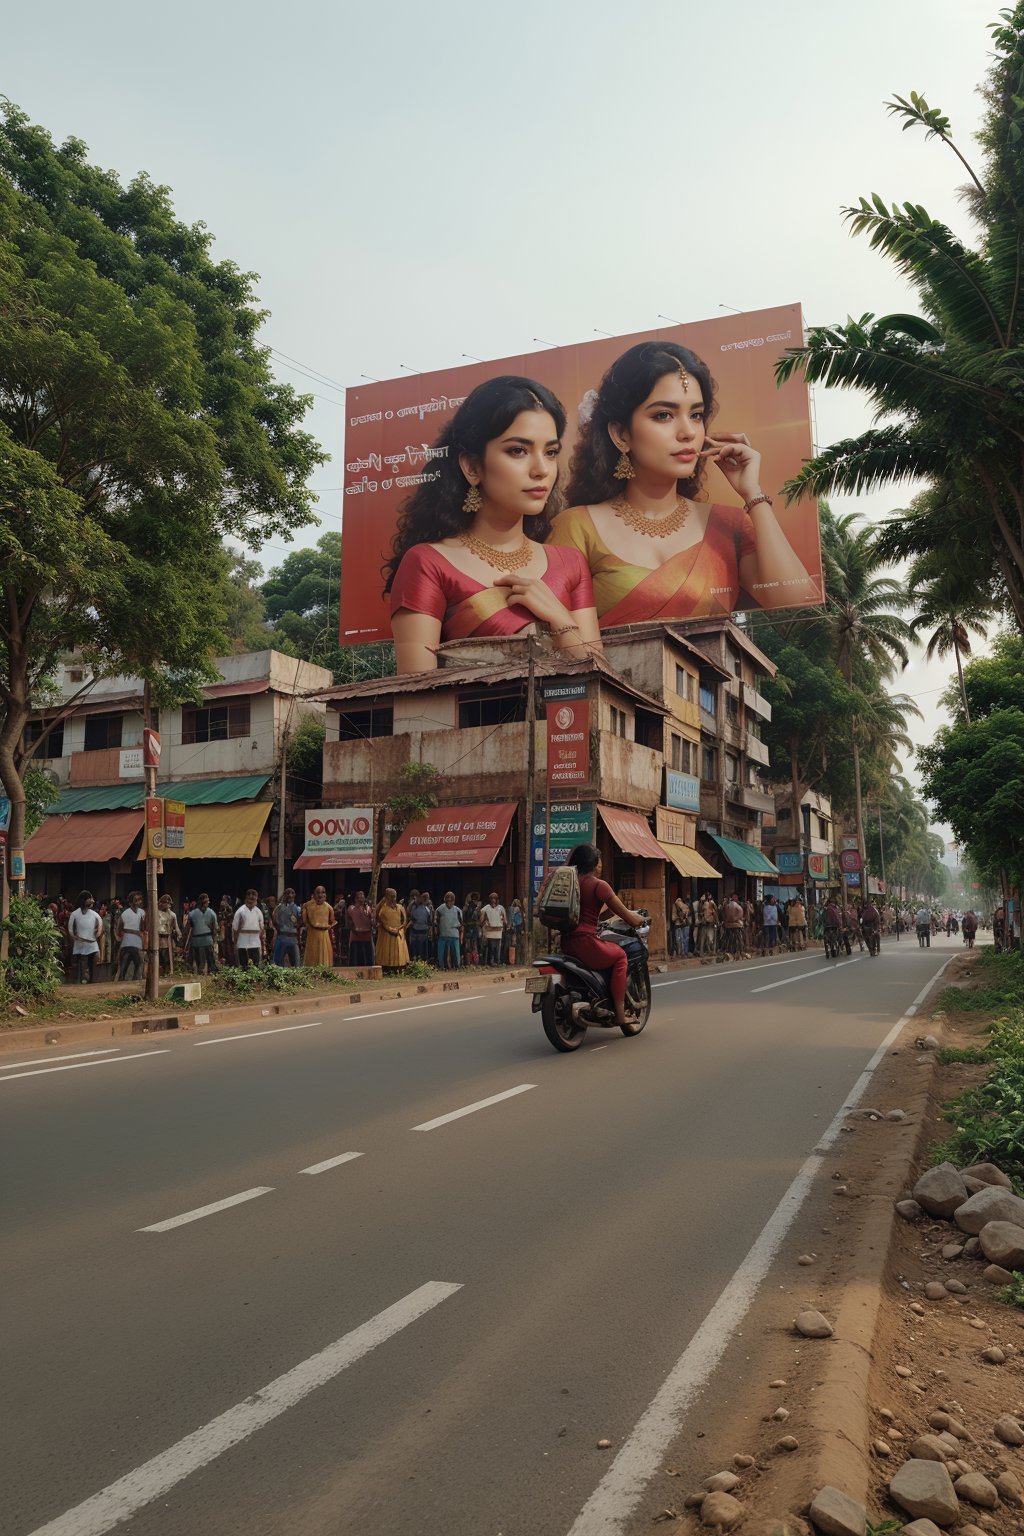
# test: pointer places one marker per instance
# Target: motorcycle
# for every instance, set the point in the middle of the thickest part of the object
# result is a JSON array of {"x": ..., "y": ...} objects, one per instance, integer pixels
[{"x": 570, "y": 997}]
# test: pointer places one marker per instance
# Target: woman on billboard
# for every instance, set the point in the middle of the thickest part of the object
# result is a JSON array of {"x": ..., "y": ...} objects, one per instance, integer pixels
[
  {"x": 469, "y": 556},
  {"x": 657, "y": 548}
]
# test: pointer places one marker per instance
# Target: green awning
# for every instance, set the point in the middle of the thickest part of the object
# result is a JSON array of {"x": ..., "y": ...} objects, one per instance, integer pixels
[
  {"x": 130, "y": 797},
  {"x": 743, "y": 857}
]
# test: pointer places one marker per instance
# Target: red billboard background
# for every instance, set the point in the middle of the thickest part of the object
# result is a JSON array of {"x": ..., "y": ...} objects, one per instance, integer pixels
[{"x": 390, "y": 427}]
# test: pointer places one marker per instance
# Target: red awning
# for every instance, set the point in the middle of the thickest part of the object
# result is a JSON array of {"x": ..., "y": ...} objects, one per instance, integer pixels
[
  {"x": 450, "y": 835},
  {"x": 631, "y": 832},
  {"x": 84, "y": 837}
]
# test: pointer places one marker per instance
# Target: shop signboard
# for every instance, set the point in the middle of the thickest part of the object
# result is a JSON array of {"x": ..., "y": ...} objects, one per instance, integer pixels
[
  {"x": 340, "y": 838},
  {"x": 850, "y": 861},
  {"x": 571, "y": 822},
  {"x": 682, "y": 791},
  {"x": 129, "y": 765},
  {"x": 817, "y": 866},
  {"x": 154, "y": 841},
  {"x": 174, "y": 824},
  {"x": 568, "y": 741},
  {"x": 789, "y": 863}
]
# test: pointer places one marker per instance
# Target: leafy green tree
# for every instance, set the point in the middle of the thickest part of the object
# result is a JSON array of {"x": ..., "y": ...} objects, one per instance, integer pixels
[
  {"x": 139, "y": 425},
  {"x": 973, "y": 774},
  {"x": 945, "y": 384},
  {"x": 302, "y": 597}
]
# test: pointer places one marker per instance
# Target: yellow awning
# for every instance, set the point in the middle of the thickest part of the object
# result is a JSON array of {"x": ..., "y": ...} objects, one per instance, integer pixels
[
  {"x": 689, "y": 862},
  {"x": 222, "y": 831}
]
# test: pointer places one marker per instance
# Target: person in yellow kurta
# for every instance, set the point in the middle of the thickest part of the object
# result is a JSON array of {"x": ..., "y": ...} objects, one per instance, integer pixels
[
  {"x": 318, "y": 922},
  {"x": 392, "y": 921}
]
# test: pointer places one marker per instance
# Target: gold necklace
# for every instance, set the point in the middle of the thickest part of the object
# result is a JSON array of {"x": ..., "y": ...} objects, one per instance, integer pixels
[
  {"x": 501, "y": 559},
  {"x": 652, "y": 527}
]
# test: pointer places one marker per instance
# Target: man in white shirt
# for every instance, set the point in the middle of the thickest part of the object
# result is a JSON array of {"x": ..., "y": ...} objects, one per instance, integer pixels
[
  {"x": 493, "y": 922},
  {"x": 131, "y": 932},
  {"x": 249, "y": 931},
  {"x": 86, "y": 929}
]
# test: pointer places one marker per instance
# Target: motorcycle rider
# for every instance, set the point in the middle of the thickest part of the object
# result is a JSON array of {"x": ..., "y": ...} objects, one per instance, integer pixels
[
  {"x": 582, "y": 942},
  {"x": 871, "y": 922},
  {"x": 833, "y": 921}
]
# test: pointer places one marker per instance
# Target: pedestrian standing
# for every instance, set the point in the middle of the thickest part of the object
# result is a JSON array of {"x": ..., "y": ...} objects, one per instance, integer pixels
[
  {"x": 471, "y": 928},
  {"x": 248, "y": 931},
  {"x": 770, "y": 923},
  {"x": 797, "y": 924},
  {"x": 168, "y": 933},
  {"x": 516, "y": 921},
  {"x": 285, "y": 920},
  {"x": 493, "y": 922},
  {"x": 359, "y": 918},
  {"x": 340, "y": 930},
  {"x": 420, "y": 915},
  {"x": 732, "y": 924},
  {"x": 392, "y": 921},
  {"x": 317, "y": 922},
  {"x": 85, "y": 929},
  {"x": 132, "y": 932},
  {"x": 681, "y": 924},
  {"x": 450, "y": 931},
  {"x": 202, "y": 925}
]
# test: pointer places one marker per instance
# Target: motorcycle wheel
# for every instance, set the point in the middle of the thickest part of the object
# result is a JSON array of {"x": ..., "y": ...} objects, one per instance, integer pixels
[
  {"x": 556, "y": 1017},
  {"x": 638, "y": 998}
]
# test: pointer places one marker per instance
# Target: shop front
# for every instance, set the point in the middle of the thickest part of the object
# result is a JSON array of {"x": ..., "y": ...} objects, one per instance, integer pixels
[
  {"x": 636, "y": 868},
  {"x": 459, "y": 848},
  {"x": 743, "y": 866}
]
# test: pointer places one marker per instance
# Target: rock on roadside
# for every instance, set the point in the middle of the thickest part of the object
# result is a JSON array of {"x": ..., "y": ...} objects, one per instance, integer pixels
[
  {"x": 921, "y": 1528},
  {"x": 834, "y": 1513},
  {"x": 1008, "y": 1430},
  {"x": 909, "y": 1210},
  {"x": 924, "y": 1490},
  {"x": 941, "y": 1190},
  {"x": 813, "y": 1325},
  {"x": 720, "y": 1510},
  {"x": 988, "y": 1173},
  {"x": 976, "y": 1489},
  {"x": 990, "y": 1204},
  {"x": 1002, "y": 1242}
]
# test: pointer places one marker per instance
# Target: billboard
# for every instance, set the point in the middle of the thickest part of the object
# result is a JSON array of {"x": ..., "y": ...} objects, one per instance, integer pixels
[
  {"x": 571, "y": 823},
  {"x": 716, "y": 559},
  {"x": 338, "y": 838}
]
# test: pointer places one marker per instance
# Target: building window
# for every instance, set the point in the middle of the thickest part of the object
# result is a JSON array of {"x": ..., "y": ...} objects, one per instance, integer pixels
[
  {"x": 53, "y": 746},
  {"x": 357, "y": 724},
  {"x": 618, "y": 725},
  {"x": 489, "y": 709},
  {"x": 676, "y": 752},
  {"x": 686, "y": 685},
  {"x": 732, "y": 708},
  {"x": 708, "y": 763},
  {"x": 707, "y": 698},
  {"x": 732, "y": 768},
  {"x": 737, "y": 665},
  {"x": 102, "y": 731},
  {"x": 822, "y": 828},
  {"x": 684, "y": 754},
  {"x": 753, "y": 728},
  {"x": 215, "y": 722}
]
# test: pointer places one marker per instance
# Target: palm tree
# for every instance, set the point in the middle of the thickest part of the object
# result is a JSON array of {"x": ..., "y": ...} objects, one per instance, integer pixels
[
  {"x": 945, "y": 384},
  {"x": 948, "y": 609}
]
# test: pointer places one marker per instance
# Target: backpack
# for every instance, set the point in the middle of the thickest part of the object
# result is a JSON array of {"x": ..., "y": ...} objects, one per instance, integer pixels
[{"x": 558, "y": 901}]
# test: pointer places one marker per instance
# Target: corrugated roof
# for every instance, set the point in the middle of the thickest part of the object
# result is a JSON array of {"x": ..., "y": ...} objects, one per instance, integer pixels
[
  {"x": 81, "y": 839},
  {"x": 236, "y": 690},
  {"x": 119, "y": 797},
  {"x": 482, "y": 677}
]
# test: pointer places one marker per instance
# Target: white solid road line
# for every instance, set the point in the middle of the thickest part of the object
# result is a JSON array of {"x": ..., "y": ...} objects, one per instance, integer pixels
[
  {"x": 727, "y": 970},
  {"x": 108, "y": 1061},
  {"x": 120, "y": 1500},
  {"x": 808, "y": 976},
  {"x": 331, "y": 1162},
  {"x": 471, "y": 1109},
  {"x": 611, "y": 1505},
  {"x": 42, "y": 1061},
  {"x": 445, "y": 1003},
  {"x": 257, "y": 1034},
  {"x": 207, "y": 1210}
]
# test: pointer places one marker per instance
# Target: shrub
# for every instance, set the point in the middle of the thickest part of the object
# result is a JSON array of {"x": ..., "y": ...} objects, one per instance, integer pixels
[
  {"x": 33, "y": 965},
  {"x": 989, "y": 1118},
  {"x": 418, "y": 970}
]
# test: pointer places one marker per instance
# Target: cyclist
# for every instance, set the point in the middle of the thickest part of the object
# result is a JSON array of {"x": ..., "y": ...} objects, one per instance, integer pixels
[
  {"x": 833, "y": 920},
  {"x": 871, "y": 924}
]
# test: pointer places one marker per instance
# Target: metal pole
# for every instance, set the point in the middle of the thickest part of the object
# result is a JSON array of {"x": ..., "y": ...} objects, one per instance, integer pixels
[
  {"x": 531, "y": 795},
  {"x": 881, "y": 845},
  {"x": 282, "y": 818},
  {"x": 152, "y": 924}
]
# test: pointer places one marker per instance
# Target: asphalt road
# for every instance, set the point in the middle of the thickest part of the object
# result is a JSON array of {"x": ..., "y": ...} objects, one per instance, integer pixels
[{"x": 430, "y": 1336}]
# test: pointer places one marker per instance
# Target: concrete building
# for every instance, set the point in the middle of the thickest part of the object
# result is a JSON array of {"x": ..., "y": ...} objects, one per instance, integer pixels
[{"x": 218, "y": 757}]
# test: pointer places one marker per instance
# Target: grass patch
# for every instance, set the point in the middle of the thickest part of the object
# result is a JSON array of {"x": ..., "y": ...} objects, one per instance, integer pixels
[
  {"x": 989, "y": 1118},
  {"x": 1012, "y": 1294},
  {"x": 1000, "y": 979},
  {"x": 973, "y": 1055}
]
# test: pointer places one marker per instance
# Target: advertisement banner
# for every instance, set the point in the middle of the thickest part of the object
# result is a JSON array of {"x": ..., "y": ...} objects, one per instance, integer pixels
[
  {"x": 682, "y": 791},
  {"x": 150, "y": 747},
  {"x": 154, "y": 837},
  {"x": 571, "y": 823},
  {"x": 339, "y": 838},
  {"x": 849, "y": 861},
  {"x": 568, "y": 741},
  {"x": 789, "y": 863},
  {"x": 392, "y": 451},
  {"x": 174, "y": 824},
  {"x": 852, "y": 877},
  {"x": 670, "y": 827},
  {"x": 817, "y": 866},
  {"x": 130, "y": 763}
]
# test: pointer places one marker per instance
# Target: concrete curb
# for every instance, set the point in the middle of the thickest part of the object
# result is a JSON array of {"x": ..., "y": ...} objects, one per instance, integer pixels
[
  {"x": 69, "y": 1032},
  {"x": 841, "y": 1427}
]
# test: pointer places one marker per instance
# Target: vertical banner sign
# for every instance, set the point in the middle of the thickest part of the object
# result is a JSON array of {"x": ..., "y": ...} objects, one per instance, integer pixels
[
  {"x": 17, "y": 863},
  {"x": 174, "y": 824},
  {"x": 154, "y": 827},
  {"x": 571, "y": 823},
  {"x": 817, "y": 866},
  {"x": 150, "y": 748},
  {"x": 568, "y": 714}
]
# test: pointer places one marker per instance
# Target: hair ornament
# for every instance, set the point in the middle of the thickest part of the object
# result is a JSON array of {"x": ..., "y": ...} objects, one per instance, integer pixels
[{"x": 587, "y": 406}]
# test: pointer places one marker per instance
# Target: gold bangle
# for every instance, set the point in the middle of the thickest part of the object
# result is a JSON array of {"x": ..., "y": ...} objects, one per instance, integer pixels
[
  {"x": 755, "y": 501},
  {"x": 564, "y": 630}
]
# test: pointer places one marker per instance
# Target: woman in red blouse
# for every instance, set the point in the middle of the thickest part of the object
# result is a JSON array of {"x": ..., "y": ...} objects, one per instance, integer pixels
[
  {"x": 469, "y": 556},
  {"x": 582, "y": 941}
]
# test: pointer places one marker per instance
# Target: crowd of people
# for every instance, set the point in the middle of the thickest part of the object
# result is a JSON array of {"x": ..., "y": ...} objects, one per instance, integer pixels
[{"x": 247, "y": 931}]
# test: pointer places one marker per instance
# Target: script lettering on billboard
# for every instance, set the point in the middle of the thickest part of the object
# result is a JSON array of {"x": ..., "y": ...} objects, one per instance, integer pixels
[
  {"x": 392, "y": 449},
  {"x": 568, "y": 741},
  {"x": 344, "y": 834}
]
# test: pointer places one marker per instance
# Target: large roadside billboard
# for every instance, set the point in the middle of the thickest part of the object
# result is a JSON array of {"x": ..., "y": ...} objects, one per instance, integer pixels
[{"x": 391, "y": 433}]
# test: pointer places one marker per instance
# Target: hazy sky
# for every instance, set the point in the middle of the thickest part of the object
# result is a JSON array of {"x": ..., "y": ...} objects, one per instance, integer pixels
[{"x": 418, "y": 181}]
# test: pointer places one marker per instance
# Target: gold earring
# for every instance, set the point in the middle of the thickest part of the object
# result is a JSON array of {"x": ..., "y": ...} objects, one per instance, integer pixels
[
  {"x": 473, "y": 502},
  {"x": 624, "y": 468}
]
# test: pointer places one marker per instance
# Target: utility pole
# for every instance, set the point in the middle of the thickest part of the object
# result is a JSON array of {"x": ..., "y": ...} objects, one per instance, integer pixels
[
  {"x": 282, "y": 818},
  {"x": 531, "y": 794},
  {"x": 152, "y": 934}
]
